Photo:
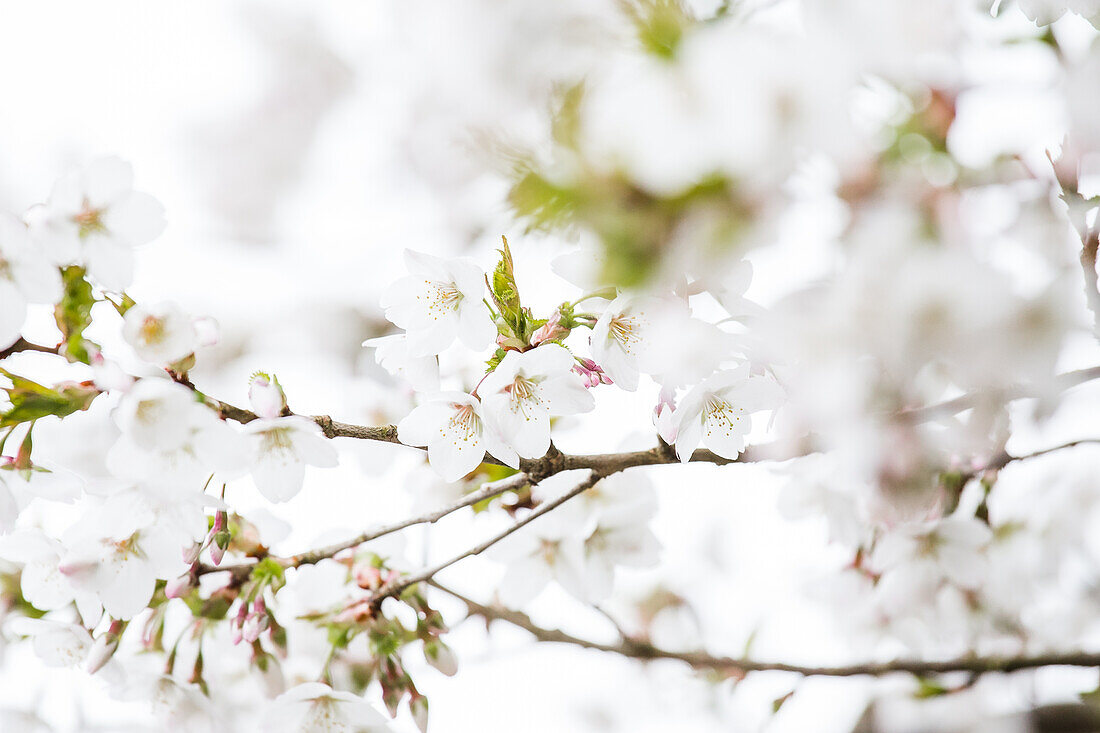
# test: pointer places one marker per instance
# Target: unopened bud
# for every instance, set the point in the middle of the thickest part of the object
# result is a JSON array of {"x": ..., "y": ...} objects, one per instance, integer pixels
[
  {"x": 591, "y": 372},
  {"x": 418, "y": 706},
  {"x": 440, "y": 656},
  {"x": 105, "y": 646},
  {"x": 266, "y": 395},
  {"x": 552, "y": 330},
  {"x": 179, "y": 587}
]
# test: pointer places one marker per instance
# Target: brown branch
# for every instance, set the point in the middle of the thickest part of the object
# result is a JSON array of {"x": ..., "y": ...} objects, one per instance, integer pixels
[
  {"x": 23, "y": 345},
  {"x": 395, "y": 588},
  {"x": 487, "y": 491},
  {"x": 645, "y": 651}
]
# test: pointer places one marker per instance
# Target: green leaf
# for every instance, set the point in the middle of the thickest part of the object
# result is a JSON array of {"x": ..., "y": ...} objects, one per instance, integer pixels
[
  {"x": 74, "y": 313},
  {"x": 506, "y": 293},
  {"x": 31, "y": 401},
  {"x": 927, "y": 688},
  {"x": 269, "y": 571}
]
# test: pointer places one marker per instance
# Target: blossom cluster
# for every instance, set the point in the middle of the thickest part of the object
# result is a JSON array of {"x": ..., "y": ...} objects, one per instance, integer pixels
[{"x": 881, "y": 377}]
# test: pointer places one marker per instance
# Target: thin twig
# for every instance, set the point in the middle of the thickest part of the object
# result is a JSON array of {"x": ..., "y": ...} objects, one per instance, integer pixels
[
  {"x": 23, "y": 345},
  {"x": 488, "y": 491},
  {"x": 395, "y": 588},
  {"x": 645, "y": 651}
]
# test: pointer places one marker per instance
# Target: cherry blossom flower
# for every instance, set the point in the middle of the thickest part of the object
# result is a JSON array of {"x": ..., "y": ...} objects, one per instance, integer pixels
[
  {"x": 167, "y": 433},
  {"x": 94, "y": 218},
  {"x": 630, "y": 338},
  {"x": 56, "y": 643},
  {"x": 526, "y": 389},
  {"x": 392, "y": 353},
  {"x": 550, "y": 548},
  {"x": 609, "y": 528},
  {"x": 717, "y": 411},
  {"x": 439, "y": 300},
  {"x": 279, "y": 451},
  {"x": 315, "y": 706},
  {"x": 915, "y": 559},
  {"x": 43, "y": 585},
  {"x": 453, "y": 427},
  {"x": 26, "y": 276},
  {"x": 119, "y": 550},
  {"x": 161, "y": 333}
]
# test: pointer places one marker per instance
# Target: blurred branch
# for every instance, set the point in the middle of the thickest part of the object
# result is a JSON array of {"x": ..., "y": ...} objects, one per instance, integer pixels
[
  {"x": 395, "y": 588},
  {"x": 487, "y": 491},
  {"x": 699, "y": 660},
  {"x": 23, "y": 345}
]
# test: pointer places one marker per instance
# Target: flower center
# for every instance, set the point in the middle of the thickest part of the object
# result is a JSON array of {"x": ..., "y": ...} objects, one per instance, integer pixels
[
  {"x": 625, "y": 331},
  {"x": 89, "y": 220},
  {"x": 524, "y": 394},
  {"x": 464, "y": 422},
  {"x": 152, "y": 330},
  {"x": 719, "y": 413},
  {"x": 441, "y": 298},
  {"x": 277, "y": 440}
]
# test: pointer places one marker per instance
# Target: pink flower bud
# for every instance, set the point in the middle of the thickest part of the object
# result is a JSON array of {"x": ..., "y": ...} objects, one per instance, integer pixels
[
  {"x": 440, "y": 656},
  {"x": 418, "y": 706},
  {"x": 552, "y": 330},
  {"x": 591, "y": 373},
  {"x": 191, "y": 553},
  {"x": 367, "y": 576},
  {"x": 179, "y": 587},
  {"x": 104, "y": 647},
  {"x": 663, "y": 415},
  {"x": 266, "y": 396},
  {"x": 217, "y": 554}
]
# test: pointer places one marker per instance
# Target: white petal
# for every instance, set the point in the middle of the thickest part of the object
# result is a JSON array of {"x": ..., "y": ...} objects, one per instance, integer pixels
[
  {"x": 548, "y": 359},
  {"x": 136, "y": 219},
  {"x": 475, "y": 326},
  {"x": 127, "y": 587},
  {"x": 13, "y": 312},
  {"x": 109, "y": 262},
  {"x": 315, "y": 450},
  {"x": 452, "y": 456},
  {"x": 39, "y": 280},
  {"x": 421, "y": 426},
  {"x": 106, "y": 180},
  {"x": 566, "y": 395},
  {"x": 278, "y": 475}
]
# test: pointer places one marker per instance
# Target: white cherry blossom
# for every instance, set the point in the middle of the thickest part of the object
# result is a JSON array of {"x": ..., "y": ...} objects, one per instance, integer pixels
[
  {"x": 550, "y": 548},
  {"x": 526, "y": 389},
  {"x": 279, "y": 451},
  {"x": 43, "y": 585},
  {"x": 93, "y": 217},
  {"x": 717, "y": 411},
  {"x": 915, "y": 559},
  {"x": 392, "y": 353},
  {"x": 56, "y": 643},
  {"x": 454, "y": 429},
  {"x": 626, "y": 337},
  {"x": 314, "y": 706},
  {"x": 438, "y": 301},
  {"x": 160, "y": 333},
  {"x": 26, "y": 276},
  {"x": 168, "y": 434},
  {"x": 119, "y": 550}
]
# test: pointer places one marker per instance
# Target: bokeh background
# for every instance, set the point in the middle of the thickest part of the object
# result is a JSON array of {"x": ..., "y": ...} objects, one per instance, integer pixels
[{"x": 298, "y": 149}]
